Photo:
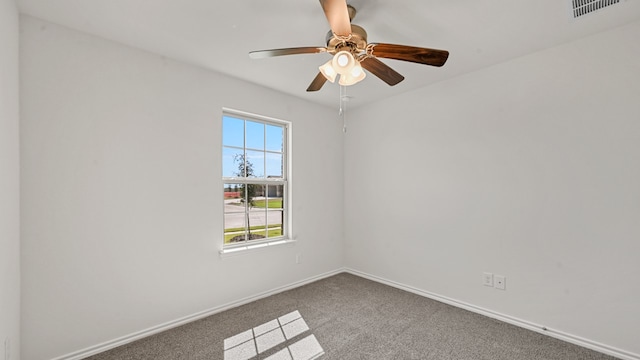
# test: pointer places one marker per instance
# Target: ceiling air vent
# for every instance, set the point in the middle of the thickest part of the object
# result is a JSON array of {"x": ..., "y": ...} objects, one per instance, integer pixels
[{"x": 583, "y": 7}]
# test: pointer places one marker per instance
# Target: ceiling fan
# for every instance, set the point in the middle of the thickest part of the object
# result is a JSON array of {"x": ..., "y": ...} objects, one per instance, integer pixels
[{"x": 351, "y": 52}]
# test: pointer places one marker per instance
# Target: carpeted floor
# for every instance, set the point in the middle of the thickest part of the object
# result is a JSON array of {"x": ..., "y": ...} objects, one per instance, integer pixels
[{"x": 347, "y": 317}]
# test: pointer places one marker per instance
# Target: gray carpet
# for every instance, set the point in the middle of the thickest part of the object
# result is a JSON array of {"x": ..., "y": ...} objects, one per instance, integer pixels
[{"x": 354, "y": 318}]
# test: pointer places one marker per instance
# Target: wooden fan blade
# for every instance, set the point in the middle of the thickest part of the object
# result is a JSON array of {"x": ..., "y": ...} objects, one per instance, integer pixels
[
  {"x": 381, "y": 70},
  {"x": 337, "y": 14},
  {"x": 261, "y": 54},
  {"x": 317, "y": 83},
  {"x": 414, "y": 54}
]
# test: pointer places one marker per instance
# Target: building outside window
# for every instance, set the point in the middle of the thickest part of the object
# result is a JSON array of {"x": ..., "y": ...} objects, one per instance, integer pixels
[{"x": 255, "y": 176}]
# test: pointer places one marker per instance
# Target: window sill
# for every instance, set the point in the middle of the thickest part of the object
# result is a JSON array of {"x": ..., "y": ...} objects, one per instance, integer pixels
[{"x": 250, "y": 248}]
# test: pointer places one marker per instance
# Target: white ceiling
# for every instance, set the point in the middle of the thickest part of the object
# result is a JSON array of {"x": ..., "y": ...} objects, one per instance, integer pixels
[{"x": 218, "y": 34}]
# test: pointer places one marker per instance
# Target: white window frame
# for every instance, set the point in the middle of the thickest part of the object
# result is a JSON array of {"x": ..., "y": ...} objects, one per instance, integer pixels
[{"x": 286, "y": 237}]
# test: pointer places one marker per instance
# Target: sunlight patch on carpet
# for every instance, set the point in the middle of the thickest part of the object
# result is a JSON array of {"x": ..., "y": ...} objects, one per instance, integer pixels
[{"x": 248, "y": 344}]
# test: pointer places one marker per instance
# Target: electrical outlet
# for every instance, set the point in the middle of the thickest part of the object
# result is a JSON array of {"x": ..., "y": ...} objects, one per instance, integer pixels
[
  {"x": 487, "y": 279},
  {"x": 500, "y": 282},
  {"x": 298, "y": 258}
]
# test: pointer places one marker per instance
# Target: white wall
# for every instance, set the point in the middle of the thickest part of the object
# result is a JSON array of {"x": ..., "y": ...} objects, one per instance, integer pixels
[
  {"x": 528, "y": 169},
  {"x": 121, "y": 191},
  {"x": 9, "y": 181}
]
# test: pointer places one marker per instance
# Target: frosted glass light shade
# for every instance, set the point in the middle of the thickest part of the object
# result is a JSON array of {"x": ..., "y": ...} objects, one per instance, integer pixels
[
  {"x": 354, "y": 76},
  {"x": 328, "y": 71},
  {"x": 343, "y": 62}
]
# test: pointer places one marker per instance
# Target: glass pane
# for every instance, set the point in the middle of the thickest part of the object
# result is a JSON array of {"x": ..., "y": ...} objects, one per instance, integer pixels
[
  {"x": 232, "y": 162},
  {"x": 274, "y": 165},
  {"x": 275, "y": 219},
  {"x": 234, "y": 227},
  {"x": 255, "y": 164},
  {"x": 252, "y": 194},
  {"x": 255, "y": 135},
  {"x": 274, "y": 196},
  {"x": 232, "y": 131},
  {"x": 275, "y": 136},
  {"x": 258, "y": 216},
  {"x": 232, "y": 197}
]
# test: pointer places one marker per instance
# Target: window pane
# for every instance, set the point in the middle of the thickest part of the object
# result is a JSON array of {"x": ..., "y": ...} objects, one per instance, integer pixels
[
  {"x": 232, "y": 162},
  {"x": 232, "y": 132},
  {"x": 234, "y": 227},
  {"x": 257, "y": 212},
  {"x": 251, "y": 194},
  {"x": 255, "y": 135},
  {"x": 257, "y": 224},
  {"x": 255, "y": 195},
  {"x": 268, "y": 197},
  {"x": 274, "y": 196},
  {"x": 232, "y": 197},
  {"x": 275, "y": 138},
  {"x": 255, "y": 164},
  {"x": 274, "y": 165},
  {"x": 275, "y": 219}
]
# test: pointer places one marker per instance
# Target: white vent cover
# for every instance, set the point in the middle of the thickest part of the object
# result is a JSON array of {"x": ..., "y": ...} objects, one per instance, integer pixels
[{"x": 583, "y": 7}]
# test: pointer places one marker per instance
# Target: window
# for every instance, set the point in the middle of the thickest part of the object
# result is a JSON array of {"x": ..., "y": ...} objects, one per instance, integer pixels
[{"x": 254, "y": 174}]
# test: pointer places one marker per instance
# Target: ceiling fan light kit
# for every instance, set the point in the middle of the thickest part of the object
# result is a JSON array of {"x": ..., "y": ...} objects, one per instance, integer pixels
[
  {"x": 346, "y": 65},
  {"x": 351, "y": 52},
  {"x": 354, "y": 76},
  {"x": 328, "y": 71},
  {"x": 343, "y": 62}
]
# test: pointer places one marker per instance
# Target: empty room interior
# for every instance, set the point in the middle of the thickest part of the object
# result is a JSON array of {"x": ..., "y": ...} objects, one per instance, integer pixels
[{"x": 324, "y": 179}]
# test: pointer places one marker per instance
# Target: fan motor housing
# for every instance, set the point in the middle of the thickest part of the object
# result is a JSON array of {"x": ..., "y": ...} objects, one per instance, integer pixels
[{"x": 357, "y": 42}]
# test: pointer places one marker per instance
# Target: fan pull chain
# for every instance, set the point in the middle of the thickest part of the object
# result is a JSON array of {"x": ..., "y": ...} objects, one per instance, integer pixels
[{"x": 343, "y": 107}]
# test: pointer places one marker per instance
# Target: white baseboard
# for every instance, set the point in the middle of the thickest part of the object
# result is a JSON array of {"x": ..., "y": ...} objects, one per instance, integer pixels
[
  {"x": 577, "y": 340},
  {"x": 96, "y": 349}
]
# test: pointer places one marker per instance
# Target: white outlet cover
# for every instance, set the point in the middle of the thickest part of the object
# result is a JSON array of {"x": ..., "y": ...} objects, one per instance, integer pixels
[
  {"x": 500, "y": 282},
  {"x": 487, "y": 279}
]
